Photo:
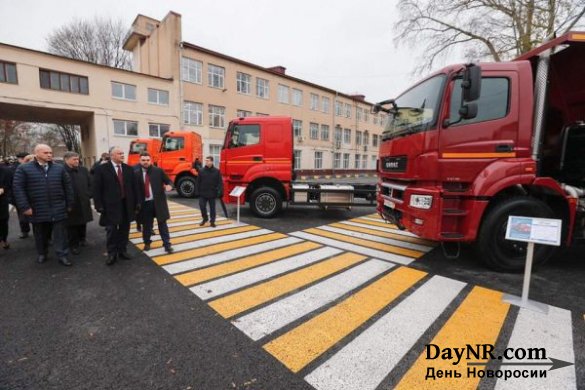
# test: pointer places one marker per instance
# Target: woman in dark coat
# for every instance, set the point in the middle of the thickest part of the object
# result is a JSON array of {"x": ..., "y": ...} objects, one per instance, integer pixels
[
  {"x": 5, "y": 197},
  {"x": 80, "y": 213}
]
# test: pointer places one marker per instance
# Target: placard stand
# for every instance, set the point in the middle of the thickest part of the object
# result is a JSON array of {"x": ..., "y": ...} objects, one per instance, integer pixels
[{"x": 237, "y": 193}]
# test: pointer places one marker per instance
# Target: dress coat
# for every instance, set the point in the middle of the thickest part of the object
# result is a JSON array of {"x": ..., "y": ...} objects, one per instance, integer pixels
[
  {"x": 158, "y": 178},
  {"x": 81, "y": 211},
  {"x": 107, "y": 195}
]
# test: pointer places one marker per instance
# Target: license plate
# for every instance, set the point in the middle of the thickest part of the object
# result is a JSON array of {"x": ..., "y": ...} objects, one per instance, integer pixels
[{"x": 389, "y": 203}]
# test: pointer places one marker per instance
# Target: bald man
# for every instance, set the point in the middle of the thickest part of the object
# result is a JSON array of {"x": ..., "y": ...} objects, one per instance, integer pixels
[
  {"x": 43, "y": 192},
  {"x": 114, "y": 196}
]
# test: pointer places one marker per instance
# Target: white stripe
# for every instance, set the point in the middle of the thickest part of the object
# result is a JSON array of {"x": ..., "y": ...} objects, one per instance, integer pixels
[
  {"x": 554, "y": 333},
  {"x": 201, "y": 262},
  {"x": 189, "y": 232},
  {"x": 255, "y": 275},
  {"x": 405, "y": 232},
  {"x": 379, "y": 228},
  {"x": 210, "y": 241},
  {"x": 383, "y": 240},
  {"x": 355, "y": 248},
  {"x": 182, "y": 223},
  {"x": 368, "y": 359},
  {"x": 264, "y": 321}
]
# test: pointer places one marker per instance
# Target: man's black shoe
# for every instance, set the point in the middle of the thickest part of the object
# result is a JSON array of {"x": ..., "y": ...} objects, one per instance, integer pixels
[
  {"x": 146, "y": 247},
  {"x": 111, "y": 259},
  {"x": 41, "y": 259},
  {"x": 65, "y": 261},
  {"x": 125, "y": 255},
  {"x": 169, "y": 249},
  {"x": 75, "y": 251},
  {"x": 212, "y": 224},
  {"x": 203, "y": 222},
  {"x": 23, "y": 235}
]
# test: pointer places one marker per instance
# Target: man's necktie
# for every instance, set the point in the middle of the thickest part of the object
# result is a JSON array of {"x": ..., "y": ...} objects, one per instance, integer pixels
[
  {"x": 121, "y": 180},
  {"x": 146, "y": 186}
]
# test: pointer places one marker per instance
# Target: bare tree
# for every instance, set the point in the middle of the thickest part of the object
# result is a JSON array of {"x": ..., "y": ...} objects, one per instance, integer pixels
[
  {"x": 16, "y": 137},
  {"x": 70, "y": 135},
  {"x": 483, "y": 29},
  {"x": 99, "y": 41}
]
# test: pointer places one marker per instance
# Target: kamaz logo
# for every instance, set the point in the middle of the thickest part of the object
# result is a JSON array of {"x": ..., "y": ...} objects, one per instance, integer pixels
[{"x": 391, "y": 164}]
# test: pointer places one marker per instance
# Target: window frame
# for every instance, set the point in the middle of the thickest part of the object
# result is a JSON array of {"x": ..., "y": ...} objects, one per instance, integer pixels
[
  {"x": 212, "y": 115},
  {"x": 71, "y": 76},
  {"x": 243, "y": 83},
  {"x": 158, "y": 94},
  {"x": 313, "y": 130},
  {"x": 4, "y": 71},
  {"x": 160, "y": 135},
  {"x": 212, "y": 76},
  {"x": 198, "y": 114},
  {"x": 281, "y": 89},
  {"x": 297, "y": 97},
  {"x": 124, "y": 85},
  {"x": 265, "y": 87},
  {"x": 198, "y": 72},
  {"x": 320, "y": 159},
  {"x": 126, "y": 122}
]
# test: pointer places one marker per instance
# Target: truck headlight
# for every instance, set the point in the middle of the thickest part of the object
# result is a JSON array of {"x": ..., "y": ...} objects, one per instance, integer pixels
[{"x": 421, "y": 201}]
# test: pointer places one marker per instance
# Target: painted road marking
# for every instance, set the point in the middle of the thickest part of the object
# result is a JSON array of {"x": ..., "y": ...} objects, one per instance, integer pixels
[
  {"x": 365, "y": 361},
  {"x": 349, "y": 246},
  {"x": 201, "y": 236},
  {"x": 379, "y": 223},
  {"x": 193, "y": 230},
  {"x": 251, "y": 297},
  {"x": 468, "y": 325},
  {"x": 375, "y": 237},
  {"x": 181, "y": 226},
  {"x": 234, "y": 282},
  {"x": 384, "y": 232},
  {"x": 314, "y": 337},
  {"x": 553, "y": 332},
  {"x": 264, "y": 321}
]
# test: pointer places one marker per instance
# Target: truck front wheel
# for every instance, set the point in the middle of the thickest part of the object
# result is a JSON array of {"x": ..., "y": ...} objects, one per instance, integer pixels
[
  {"x": 186, "y": 187},
  {"x": 505, "y": 255},
  {"x": 265, "y": 202}
]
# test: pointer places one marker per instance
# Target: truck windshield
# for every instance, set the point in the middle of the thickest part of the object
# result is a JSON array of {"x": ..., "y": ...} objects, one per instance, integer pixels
[
  {"x": 171, "y": 144},
  {"x": 416, "y": 110},
  {"x": 137, "y": 147}
]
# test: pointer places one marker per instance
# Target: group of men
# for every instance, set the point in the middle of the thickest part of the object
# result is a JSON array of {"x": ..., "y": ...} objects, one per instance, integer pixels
[{"x": 56, "y": 200}]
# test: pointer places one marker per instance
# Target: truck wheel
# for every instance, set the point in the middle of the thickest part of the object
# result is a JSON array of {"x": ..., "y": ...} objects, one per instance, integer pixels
[
  {"x": 186, "y": 187},
  {"x": 265, "y": 202},
  {"x": 505, "y": 255}
]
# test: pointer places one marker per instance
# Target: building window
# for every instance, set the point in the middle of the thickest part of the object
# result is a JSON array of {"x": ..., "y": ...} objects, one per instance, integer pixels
[
  {"x": 314, "y": 102},
  {"x": 262, "y": 88},
  {"x": 375, "y": 119},
  {"x": 314, "y": 130},
  {"x": 358, "y": 137},
  {"x": 123, "y": 91},
  {"x": 318, "y": 160},
  {"x": 325, "y": 104},
  {"x": 193, "y": 113},
  {"x": 282, "y": 94},
  {"x": 215, "y": 152},
  {"x": 358, "y": 113},
  {"x": 216, "y": 116},
  {"x": 366, "y": 138},
  {"x": 347, "y": 136},
  {"x": 8, "y": 73},
  {"x": 157, "y": 96},
  {"x": 215, "y": 76},
  {"x": 347, "y": 110},
  {"x": 338, "y": 136},
  {"x": 337, "y": 160},
  {"x": 64, "y": 82},
  {"x": 243, "y": 113},
  {"x": 244, "y": 83},
  {"x": 261, "y": 114},
  {"x": 357, "y": 161},
  {"x": 365, "y": 161},
  {"x": 366, "y": 115},
  {"x": 383, "y": 119},
  {"x": 345, "y": 160},
  {"x": 324, "y": 132},
  {"x": 128, "y": 128},
  {"x": 157, "y": 129},
  {"x": 373, "y": 166},
  {"x": 297, "y": 128},
  {"x": 338, "y": 108},
  {"x": 297, "y": 159},
  {"x": 191, "y": 70},
  {"x": 297, "y": 97},
  {"x": 374, "y": 139}
]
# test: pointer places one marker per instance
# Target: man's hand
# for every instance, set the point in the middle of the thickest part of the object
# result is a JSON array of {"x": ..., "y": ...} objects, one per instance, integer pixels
[
  {"x": 168, "y": 187},
  {"x": 99, "y": 210},
  {"x": 28, "y": 213},
  {"x": 1, "y": 191},
  {"x": 69, "y": 209}
]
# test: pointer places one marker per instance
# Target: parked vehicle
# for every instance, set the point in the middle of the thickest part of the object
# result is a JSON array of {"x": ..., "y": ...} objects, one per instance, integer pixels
[{"x": 140, "y": 145}]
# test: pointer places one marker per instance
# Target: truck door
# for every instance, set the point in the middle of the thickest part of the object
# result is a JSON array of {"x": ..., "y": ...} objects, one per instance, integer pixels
[
  {"x": 173, "y": 152},
  {"x": 243, "y": 150},
  {"x": 468, "y": 146}
]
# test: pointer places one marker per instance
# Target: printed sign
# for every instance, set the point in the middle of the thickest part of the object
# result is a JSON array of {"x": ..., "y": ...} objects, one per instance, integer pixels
[
  {"x": 237, "y": 191},
  {"x": 538, "y": 230}
]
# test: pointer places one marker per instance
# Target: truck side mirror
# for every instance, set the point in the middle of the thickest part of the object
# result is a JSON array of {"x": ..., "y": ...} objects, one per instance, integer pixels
[
  {"x": 471, "y": 84},
  {"x": 468, "y": 111}
]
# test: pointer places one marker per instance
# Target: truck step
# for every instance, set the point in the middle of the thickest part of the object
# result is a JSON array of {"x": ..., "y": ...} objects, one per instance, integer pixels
[
  {"x": 451, "y": 235},
  {"x": 454, "y": 212}
]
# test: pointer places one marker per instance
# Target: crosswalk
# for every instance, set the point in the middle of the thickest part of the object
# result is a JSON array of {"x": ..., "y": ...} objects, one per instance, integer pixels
[{"x": 339, "y": 305}]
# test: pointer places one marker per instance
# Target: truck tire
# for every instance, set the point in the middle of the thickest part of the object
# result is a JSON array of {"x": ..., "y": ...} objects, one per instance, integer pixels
[
  {"x": 266, "y": 202},
  {"x": 510, "y": 256},
  {"x": 187, "y": 187}
]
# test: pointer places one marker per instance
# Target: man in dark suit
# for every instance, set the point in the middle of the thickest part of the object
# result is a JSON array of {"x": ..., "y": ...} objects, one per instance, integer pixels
[
  {"x": 114, "y": 196},
  {"x": 210, "y": 187},
  {"x": 152, "y": 183},
  {"x": 80, "y": 213}
]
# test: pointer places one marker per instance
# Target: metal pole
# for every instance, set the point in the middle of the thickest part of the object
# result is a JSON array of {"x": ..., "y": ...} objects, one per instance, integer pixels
[
  {"x": 238, "y": 213},
  {"x": 527, "y": 272}
]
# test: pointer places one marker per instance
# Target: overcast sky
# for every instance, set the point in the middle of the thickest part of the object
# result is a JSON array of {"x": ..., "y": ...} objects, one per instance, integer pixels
[{"x": 341, "y": 44}]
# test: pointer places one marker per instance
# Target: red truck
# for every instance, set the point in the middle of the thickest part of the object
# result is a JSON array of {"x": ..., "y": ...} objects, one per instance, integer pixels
[
  {"x": 258, "y": 154},
  {"x": 175, "y": 154},
  {"x": 472, "y": 144}
]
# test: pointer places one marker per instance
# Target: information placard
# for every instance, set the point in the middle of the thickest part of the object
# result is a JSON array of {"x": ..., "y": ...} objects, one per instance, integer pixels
[
  {"x": 537, "y": 230},
  {"x": 237, "y": 191}
]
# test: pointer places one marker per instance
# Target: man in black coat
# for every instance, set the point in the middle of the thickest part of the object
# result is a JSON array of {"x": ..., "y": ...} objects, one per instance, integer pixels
[
  {"x": 152, "y": 183},
  {"x": 80, "y": 213},
  {"x": 210, "y": 187},
  {"x": 114, "y": 196},
  {"x": 43, "y": 192},
  {"x": 23, "y": 220}
]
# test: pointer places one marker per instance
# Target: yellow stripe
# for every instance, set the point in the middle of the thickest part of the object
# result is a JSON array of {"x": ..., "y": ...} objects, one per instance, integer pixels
[
  {"x": 202, "y": 275},
  {"x": 374, "y": 223},
  {"x": 311, "y": 339},
  {"x": 367, "y": 243},
  {"x": 251, "y": 297},
  {"x": 479, "y": 155},
  {"x": 202, "y": 236},
  {"x": 378, "y": 233},
  {"x": 174, "y": 229},
  {"x": 216, "y": 248},
  {"x": 478, "y": 320}
]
